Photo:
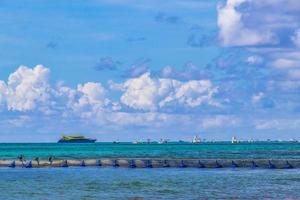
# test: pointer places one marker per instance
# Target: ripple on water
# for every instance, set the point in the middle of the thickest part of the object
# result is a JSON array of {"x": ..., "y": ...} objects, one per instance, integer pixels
[{"x": 108, "y": 183}]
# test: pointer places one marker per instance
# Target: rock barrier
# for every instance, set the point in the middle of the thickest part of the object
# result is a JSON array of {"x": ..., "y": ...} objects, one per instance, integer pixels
[{"x": 157, "y": 163}]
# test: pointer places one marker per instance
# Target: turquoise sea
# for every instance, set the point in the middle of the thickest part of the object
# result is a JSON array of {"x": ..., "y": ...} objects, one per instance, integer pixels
[
  {"x": 172, "y": 183},
  {"x": 159, "y": 183},
  {"x": 176, "y": 150}
]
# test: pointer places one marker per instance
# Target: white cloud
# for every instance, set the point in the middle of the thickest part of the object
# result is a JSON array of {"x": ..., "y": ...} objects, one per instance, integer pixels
[
  {"x": 192, "y": 94},
  {"x": 2, "y": 93},
  {"x": 285, "y": 63},
  {"x": 296, "y": 37},
  {"x": 28, "y": 89},
  {"x": 279, "y": 124},
  {"x": 256, "y": 98},
  {"x": 141, "y": 92},
  {"x": 92, "y": 99},
  {"x": 150, "y": 119},
  {"x": 220, "y": 121},
  {"x": 285, "y": 85},
  {"x": 257, "y": 23},
  {"x": 294, "y": 74},
  {"x": 148, "y": 93},
  {"x": 19, "y": 121},
  {"x": 87, "y": 101},
  {"x": 234, "y": 32},
  {"x": 253, "y": 60},
  {"x": 92, "y": 94}
]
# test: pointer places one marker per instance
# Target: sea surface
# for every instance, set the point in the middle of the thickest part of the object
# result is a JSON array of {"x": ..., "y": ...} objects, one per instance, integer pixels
[
  {"x": 175, "y": 150},
  {"x": 158, "y": 183},
  {"x": 172, "y": 183}
]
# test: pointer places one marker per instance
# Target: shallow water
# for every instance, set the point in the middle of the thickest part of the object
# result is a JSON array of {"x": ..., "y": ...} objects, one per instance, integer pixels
[
  {"x": 206, "y": 150},
  {"x": 122, "y": 183}
]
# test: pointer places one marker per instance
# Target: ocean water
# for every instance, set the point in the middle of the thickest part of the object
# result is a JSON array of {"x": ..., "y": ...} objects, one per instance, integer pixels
[
  {"x": 159, "y": 183},
  {"x": 172, "y": 183},
  {"x": 102, "y": 150}
]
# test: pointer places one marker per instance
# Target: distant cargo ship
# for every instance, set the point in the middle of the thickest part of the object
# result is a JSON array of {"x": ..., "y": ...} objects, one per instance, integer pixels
[{"x": 76, "y": 139}]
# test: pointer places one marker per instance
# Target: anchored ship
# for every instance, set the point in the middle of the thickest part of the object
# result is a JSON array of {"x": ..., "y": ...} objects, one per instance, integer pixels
[
  {"x": 163, "y": 141},
  {"x": 136, "y": 142},
  {"x": 234, "y": 140},
  {"x": 76, "y": 139},
  {"x": 116, "y": 142},
  {"x": 196, "y": 140}
]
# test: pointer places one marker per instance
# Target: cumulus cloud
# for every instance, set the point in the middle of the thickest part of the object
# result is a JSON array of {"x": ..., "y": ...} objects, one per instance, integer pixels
[
  {"x": 27, "y": 89},
  {"x": 147, "y": 93},
  {"x": 87, "y": 101},
  {"x": 234, "y": 32},
  {"x": 91, "y": 99},
  {"x": 192, "y": 94},
  {"x": 145, "y": 101},
  {"x": 140, "y": 93},
  {"x": 246, "y": 22}
]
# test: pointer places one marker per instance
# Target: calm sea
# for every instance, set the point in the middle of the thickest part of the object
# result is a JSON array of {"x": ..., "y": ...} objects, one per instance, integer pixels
[
  {"x": 172, "y": 183},
  {"x": 101, "y": 150},
  {"x": 160, "y": 183}
]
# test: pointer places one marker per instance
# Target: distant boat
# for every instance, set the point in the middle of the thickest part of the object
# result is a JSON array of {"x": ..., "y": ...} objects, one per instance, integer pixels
[
  {"x": 163, "y": 141},
  {"x": 136, "y": 142},
  {"x": 76, "y": 139},
  {"x": 293, "y": 140},
  {"x": 250, "y": 141},
  {"x": 116, "y": 142},
  {"x": 196, "y": 140},
  {"x": 234, "y": 140}
]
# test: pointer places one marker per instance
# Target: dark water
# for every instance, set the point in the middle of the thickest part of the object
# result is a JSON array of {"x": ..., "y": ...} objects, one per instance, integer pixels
[
  {"x": 205, "y": 150},
  {"x": 122, "y": 183}
]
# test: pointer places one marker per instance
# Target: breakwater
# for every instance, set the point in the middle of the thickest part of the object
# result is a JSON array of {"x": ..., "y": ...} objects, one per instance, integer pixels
[{"x": 157, "y": 163}]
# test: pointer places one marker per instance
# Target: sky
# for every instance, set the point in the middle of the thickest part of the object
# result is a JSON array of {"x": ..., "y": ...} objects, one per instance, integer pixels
[{"x": 138, "y": 69}]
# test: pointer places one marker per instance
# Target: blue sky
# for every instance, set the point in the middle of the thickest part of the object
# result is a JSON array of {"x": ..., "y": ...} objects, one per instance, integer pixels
[{"x": 149, "y": 69}]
